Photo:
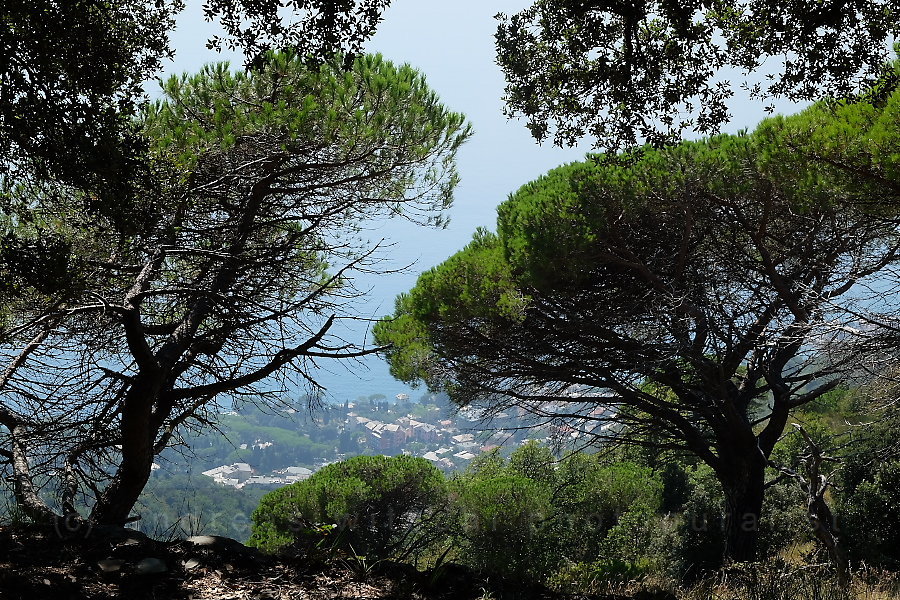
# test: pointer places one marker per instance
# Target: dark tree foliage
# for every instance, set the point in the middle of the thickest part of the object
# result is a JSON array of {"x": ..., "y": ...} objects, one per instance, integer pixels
[
  {"x": 71, "y": 74},
  {"x": 315, "y": 29},
  {"x": 70, "y": 82},
  {"x": 691, "y": 299},
  {"x": 627, "y": 71}
]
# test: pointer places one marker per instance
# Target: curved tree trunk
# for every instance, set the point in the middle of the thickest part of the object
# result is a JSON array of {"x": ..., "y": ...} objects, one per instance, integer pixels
[
  {"x": 818, "y": 511},
  {"x": 26, "y": 495},
  {"x": 115, "y": 504}
]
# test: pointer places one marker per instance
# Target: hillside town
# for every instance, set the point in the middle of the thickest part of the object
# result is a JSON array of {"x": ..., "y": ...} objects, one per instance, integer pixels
[{"x": 449, "y": 438}]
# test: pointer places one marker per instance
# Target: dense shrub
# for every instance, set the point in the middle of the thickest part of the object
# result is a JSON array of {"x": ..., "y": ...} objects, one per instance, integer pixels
[
  {"x": 530, "y": 517},
  {"x": 784, "y": 519},
  {"x": 870, "y": 447},
  {"x": 595, "y": 497},
  {"x": 869, "y": 518},
  {"x": 596, "y": 577},
  {"x": 502, "y": 525},
  {"x": 699, "y": 539},
  {"x": 631, "y": 550},
  {"x": 535, "y": 462},
  {"x": 676, "y": 486},
  {"x": 375, "y": 506}
]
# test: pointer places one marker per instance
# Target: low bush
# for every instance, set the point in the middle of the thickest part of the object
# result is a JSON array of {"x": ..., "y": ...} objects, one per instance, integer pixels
[
  {"x": 869, "y": 518},
  {"x": 502, "y": 526},
  {"x": 532, "y": 516},
  {"x": 699, "y": 539},
  {"x": 374, "y": 506}
]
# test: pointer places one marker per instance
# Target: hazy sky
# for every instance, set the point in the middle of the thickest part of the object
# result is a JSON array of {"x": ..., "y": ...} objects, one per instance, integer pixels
[{"x": 452, "y": 44}]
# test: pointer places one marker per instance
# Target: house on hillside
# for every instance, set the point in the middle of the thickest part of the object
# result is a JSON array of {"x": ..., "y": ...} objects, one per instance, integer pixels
[
  {"x": 392, "y": 437},
  {"x": 233, "y": 475},
  {"x": 419, "y": 431},
  {"x": 293, "y": 474}
]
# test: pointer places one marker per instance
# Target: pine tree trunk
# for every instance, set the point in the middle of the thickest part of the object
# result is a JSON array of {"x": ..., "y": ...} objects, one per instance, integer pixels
[
  {"x": 115, "y": 504},
  {"x": 24, "y": 490},
  {"x": 744, "y": 490}
]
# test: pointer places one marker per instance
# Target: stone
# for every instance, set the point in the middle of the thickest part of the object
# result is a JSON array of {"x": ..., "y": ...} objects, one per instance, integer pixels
[
  {"x": 222, "y": 546},
  {"x": 111, "y": 565},
  {"x": 150, "y": 566},
  {"x": 130, "y": 542},
  {"x": 214, "y": 541}
]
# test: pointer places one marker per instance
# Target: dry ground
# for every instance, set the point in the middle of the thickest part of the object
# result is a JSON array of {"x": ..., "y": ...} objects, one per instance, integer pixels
[{"x": 37, "y": 564}]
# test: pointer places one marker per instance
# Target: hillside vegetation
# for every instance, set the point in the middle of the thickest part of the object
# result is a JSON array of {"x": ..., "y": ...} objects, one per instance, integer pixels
[{"x": 613, "y": 522}]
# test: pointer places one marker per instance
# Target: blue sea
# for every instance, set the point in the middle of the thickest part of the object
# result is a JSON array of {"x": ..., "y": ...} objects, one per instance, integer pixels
[{"x": 407, "y": 250}]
